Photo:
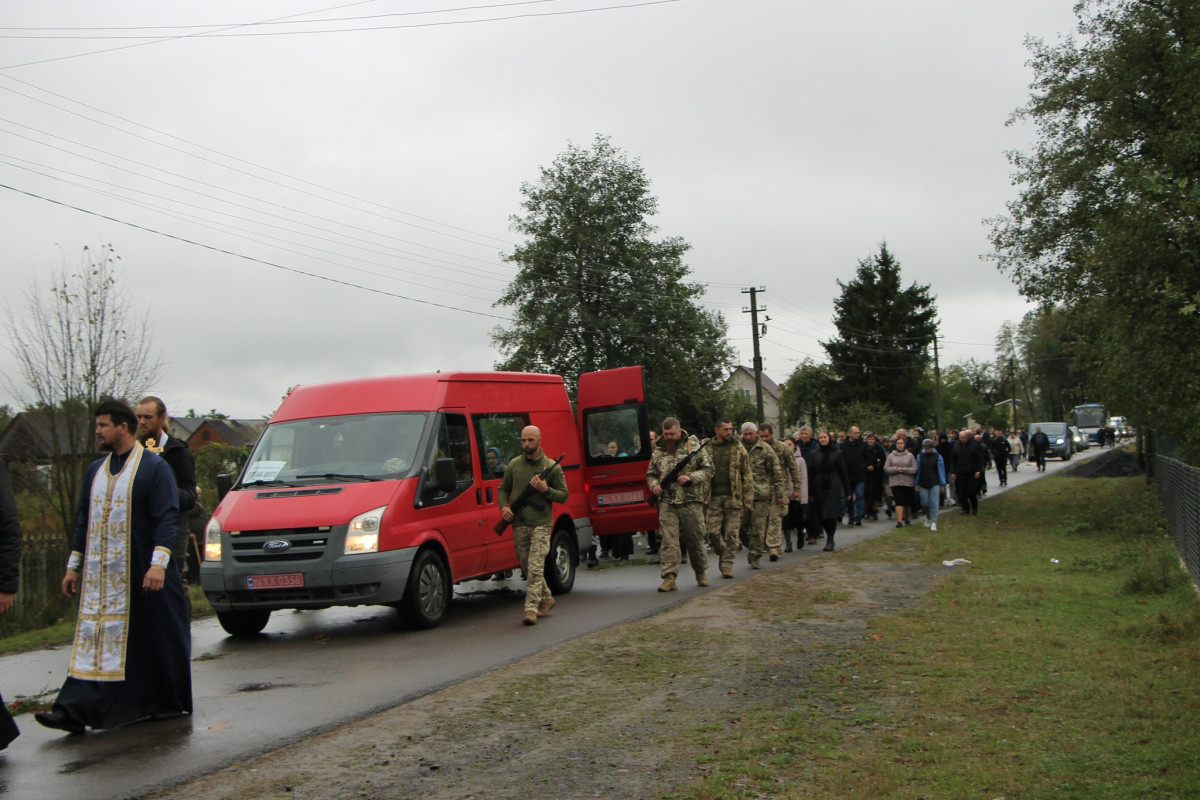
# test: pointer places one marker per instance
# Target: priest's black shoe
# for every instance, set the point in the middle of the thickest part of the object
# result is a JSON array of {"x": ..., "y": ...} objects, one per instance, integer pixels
[{"x": 57, "y": 720}]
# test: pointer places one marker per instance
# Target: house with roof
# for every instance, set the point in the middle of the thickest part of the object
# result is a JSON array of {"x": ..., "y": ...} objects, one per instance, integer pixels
[
  {"x": 742, "y": 381},
  {"x": 233, "y": 432},
  {"x": 42, "y": 436}
]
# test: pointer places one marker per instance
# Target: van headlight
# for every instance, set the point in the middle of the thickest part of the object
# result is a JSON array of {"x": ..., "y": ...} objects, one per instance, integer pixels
[
  {"x": 362, "y": 534},
  {"x": 1058, "y": 441},
  {"x": 212, "y": 540}
]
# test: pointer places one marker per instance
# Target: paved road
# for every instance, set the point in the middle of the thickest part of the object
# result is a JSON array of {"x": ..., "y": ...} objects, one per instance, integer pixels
[{"x": 312, "y": 671}]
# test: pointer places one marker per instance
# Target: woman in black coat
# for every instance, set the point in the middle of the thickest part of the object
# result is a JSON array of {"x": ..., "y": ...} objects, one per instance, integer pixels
[{"x": 829, "y": 485}]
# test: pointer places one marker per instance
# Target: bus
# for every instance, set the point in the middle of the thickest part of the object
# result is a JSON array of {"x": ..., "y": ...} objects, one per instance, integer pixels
[{"x": 1090, "y": 418}]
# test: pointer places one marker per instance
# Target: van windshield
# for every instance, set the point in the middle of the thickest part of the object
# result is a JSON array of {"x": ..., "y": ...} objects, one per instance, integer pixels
[{"x": 376, "y": 446}]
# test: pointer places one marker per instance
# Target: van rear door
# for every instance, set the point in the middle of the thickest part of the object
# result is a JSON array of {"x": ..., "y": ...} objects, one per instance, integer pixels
[{"x": 615, "y": 436}]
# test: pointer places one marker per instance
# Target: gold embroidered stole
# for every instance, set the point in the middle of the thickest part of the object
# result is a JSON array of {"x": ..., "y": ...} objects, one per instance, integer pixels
[{"x": 102, "y": 631}]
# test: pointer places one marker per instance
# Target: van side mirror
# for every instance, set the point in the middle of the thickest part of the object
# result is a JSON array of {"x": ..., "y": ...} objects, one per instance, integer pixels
[
  {"x": 224, "y": 483},
  {"x": 445, "y": 478}
]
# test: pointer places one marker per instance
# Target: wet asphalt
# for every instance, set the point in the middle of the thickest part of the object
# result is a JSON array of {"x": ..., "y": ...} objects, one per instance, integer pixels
[{"x": 315, "y": 670}]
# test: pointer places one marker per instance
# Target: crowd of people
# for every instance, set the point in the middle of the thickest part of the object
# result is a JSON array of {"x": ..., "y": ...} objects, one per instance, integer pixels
[{"x": 758, "y": 492}]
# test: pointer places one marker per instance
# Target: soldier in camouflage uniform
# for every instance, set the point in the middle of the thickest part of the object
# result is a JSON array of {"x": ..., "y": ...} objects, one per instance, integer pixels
[
  {"x": 681, "y": 504},
  {"x": 730, "y": 493},
  {"x": 531, "y": 530},
  {"x": 769, "y": 486},
  {"x": 791, "y": 470}
]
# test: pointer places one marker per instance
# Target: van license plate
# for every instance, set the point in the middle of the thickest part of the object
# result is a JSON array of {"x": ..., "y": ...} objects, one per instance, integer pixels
[
  {"x": 620, "y": 498},
  {"x": 285, "y": 581}
]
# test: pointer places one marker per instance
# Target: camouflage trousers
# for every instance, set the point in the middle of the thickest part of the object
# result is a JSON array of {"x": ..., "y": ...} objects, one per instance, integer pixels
[
  {"x": 681, "y": 526},
  {"x": 723, "y": 520},
  {"x": 760, "y": 520},
  {"x": 533, "y": 545},
  {"x": 775, "y": 529}
]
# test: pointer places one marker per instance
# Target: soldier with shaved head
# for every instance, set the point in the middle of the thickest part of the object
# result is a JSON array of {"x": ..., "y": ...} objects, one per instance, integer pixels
[{"x": 531, "y": 530}]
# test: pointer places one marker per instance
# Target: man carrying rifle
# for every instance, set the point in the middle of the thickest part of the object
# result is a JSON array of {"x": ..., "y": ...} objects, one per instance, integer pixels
[
  {"x": 678, "y": 475},
  {"x": 532, "y": 525}
]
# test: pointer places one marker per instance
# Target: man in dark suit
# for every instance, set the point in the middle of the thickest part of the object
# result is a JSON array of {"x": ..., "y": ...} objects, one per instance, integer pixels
[{"x": 151, "y": 423}]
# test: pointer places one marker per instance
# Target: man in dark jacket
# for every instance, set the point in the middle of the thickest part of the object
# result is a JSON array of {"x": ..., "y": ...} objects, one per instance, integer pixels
[
  {"x": 151, "y": 422},
  {"x": 1039, "y": 445},
  {"x": 10, "y": 568},
  {"x": 807, "y": 446},
  {"x": 854, "y": 453},
  {"x": 966, "y": 470}
]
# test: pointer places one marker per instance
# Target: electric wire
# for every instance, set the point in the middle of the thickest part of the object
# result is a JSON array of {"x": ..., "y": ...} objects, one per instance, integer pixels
[{"x": 213, "y": 35}]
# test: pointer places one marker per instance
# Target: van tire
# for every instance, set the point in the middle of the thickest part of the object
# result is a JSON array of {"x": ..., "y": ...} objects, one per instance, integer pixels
[
  {"x": 427, "y": 595},
  {"x": 244, "y": 623},
  {"x": 560, "y": 562}
]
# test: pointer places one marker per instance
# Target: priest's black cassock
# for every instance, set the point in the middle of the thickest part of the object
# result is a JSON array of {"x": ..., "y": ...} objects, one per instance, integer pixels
[{"x": 131, "y": 658}]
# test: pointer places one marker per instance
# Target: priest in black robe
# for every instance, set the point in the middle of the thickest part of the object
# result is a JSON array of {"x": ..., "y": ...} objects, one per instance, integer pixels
[{"x": 131, "y": 658}]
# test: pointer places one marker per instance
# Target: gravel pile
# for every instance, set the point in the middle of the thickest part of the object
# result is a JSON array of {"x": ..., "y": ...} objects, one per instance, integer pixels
[{"x": 1113, "y": 464}]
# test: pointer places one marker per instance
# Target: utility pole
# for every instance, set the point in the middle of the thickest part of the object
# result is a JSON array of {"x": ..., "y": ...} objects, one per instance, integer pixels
[
  {"x": 1012, "y": 373},
  {"x": 753, "y": 311},
  {"x": 937, "y": 377}
]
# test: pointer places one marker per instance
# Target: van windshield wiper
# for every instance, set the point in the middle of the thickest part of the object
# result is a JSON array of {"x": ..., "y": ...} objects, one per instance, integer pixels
[
  {"x": 341, "y": 475},
  {"x": 261, "y": 482}
]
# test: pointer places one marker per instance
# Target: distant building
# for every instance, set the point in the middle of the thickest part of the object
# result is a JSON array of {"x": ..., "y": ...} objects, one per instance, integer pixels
[
  {"x": 182, "y": 428},
  {"x": 235, "y": 432},
  {"x": 42, "y": 436},
  {"x": 742, "y": 381}
]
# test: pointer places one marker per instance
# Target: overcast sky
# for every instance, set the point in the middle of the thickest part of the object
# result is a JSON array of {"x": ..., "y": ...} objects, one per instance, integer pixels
[{"x": 377, "y": 169}]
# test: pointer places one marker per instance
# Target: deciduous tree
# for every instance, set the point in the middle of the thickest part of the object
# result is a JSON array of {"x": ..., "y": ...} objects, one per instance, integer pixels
[
  {"x": 594, "y": 290},
  {"x": 1108, "y": 217},
  {"x": 76, "y": 340}
]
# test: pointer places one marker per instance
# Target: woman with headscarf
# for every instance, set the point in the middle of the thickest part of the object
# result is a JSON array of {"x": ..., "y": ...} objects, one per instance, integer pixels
[{"x": 829, "y": 485}]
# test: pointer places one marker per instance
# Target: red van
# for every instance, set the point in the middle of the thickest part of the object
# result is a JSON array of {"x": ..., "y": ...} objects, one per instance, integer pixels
[{"x": 382, "y": 491}]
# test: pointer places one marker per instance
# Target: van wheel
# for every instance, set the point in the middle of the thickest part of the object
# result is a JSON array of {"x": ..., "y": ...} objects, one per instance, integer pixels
[
  {"x": 427, "y": 595},
  {"x": 560, "y": 562},
  {"x": 243, "y": 623}
]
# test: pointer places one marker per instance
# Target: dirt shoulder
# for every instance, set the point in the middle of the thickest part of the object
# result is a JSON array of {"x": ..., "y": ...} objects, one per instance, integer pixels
[{"x": 625, "y": 713}]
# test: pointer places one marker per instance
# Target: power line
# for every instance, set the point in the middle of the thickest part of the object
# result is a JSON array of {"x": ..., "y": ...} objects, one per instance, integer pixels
[
  {"x": 264, "y": 262},
  {"x": 219, "y": 34},
  {"x": 175, "y": 38},
  {"x": 284, "y": 20}
]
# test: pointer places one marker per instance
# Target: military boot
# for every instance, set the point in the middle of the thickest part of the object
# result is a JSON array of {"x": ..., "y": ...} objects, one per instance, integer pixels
[
  {"x": 701, "y": 579},
  {"x": 668, "y": 584},
  {"x": 726, "y": 571}
]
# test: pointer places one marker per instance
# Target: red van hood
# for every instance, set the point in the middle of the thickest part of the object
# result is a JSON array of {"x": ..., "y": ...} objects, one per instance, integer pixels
[{"x": 272, "y": 508}]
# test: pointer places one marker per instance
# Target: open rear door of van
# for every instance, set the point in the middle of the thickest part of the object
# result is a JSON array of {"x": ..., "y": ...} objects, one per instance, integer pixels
[{"x": 614, "y": 432}]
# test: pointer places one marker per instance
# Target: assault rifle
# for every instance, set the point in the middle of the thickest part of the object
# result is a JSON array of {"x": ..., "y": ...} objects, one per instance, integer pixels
[
  {"x": 527, "y": 497},
  {"x": 672, "y": 476}
]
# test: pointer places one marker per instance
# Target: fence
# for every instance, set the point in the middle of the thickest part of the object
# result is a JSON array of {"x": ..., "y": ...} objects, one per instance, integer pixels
[
  {"x": 40, "y": 600},
  {"x": 1179, "y": 486}
]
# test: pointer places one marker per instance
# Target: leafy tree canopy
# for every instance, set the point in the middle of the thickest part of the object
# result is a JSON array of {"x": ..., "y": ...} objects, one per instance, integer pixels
[
  {"x": 594, "y": 291},
  {"x": 1106, "y": 222}
]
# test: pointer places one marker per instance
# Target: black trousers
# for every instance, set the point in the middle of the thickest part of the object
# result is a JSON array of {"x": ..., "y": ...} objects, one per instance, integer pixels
[
  {"x": 967, "y": 489},
  {"x": 8, "y": 728}
]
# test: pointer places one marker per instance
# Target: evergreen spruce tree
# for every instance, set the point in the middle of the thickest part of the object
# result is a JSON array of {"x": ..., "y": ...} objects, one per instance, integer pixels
[{"x": 881, "y": 354}]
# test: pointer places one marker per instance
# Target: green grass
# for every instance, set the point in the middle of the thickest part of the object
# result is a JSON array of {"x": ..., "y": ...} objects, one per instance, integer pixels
[{"x": 1063, "y": 663}]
